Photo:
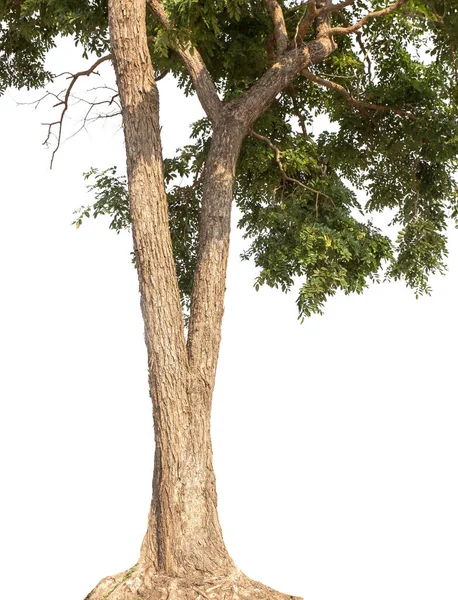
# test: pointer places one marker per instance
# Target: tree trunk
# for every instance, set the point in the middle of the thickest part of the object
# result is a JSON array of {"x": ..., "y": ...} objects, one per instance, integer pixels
[
  {"x": 184, "y": 535},
  {"x": 183, "y": 549}
]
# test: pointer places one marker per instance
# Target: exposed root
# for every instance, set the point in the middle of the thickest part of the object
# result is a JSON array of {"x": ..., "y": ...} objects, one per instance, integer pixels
[{"x": 139, "y": 583}]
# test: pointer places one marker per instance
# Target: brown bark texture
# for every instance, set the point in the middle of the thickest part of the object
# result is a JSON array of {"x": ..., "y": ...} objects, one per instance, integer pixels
[
  {"x": 183, "y": 534},
  {"x": 183, "y": 554}
]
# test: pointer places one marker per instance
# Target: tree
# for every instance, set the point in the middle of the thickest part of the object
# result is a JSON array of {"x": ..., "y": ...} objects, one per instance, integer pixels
[{"x": 263, "y": 72}]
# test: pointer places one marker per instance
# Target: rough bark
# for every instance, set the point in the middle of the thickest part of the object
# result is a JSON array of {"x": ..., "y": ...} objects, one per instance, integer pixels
[
  {"x": 183, "y": 552},
  {"x": 183, "y": 556},
  {"x": 261, "y": 95},
  {"x": 184, "y": 535},
  {"x": 207, "y": 304},
  {"x": 191, "y": 58}
]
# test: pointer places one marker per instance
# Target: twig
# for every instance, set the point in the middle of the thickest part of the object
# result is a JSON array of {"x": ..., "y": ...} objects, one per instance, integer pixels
[
  {"x": 36, "y": 103},
  {"x": 92, "y": 105},
  {"x": 297, "y": 111},
  {"x": 74, "y": 78}
]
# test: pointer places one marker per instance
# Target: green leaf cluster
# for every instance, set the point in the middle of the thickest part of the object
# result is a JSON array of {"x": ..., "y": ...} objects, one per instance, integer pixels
[
  {"x": 30, "y": 28},
  {"x": 395, "y": 141},
  {"x": 111, "y": 198}
]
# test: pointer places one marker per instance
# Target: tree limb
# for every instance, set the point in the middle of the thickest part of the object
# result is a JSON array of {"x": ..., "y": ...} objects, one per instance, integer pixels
[
  {"x": 192, "y": 60},
  {"x": 373, "y": 15},
  {"x": 359, "y": 104},
  {"x": 365, "y": 51},
  {"x": 311, "y": 12},
  {"x": 338, "y": 6},
  {"x": 306, "y": 20},
  {"x": 278, "y": 20},
  {"x": 259, "y": 97},
  {"x": 74, "y": 78}
]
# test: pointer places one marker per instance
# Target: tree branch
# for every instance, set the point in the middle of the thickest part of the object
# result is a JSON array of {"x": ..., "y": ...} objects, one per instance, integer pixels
[
  {"x": 339, "y": 6},
  {"x": 259, "y": 97},
  {"x": 74, "y": 78},
  {"x": 359, "y": 104},
  {"x": 88, "y": 118},
  {"x": 311, "y": 12},
  {"x": 365, "y": 51},
  {"x": 373, "y": 15},
  {"x": 278, "y": 20},
  {"x": 306, "y": 20},
  {"x": 192, "y": 60}
]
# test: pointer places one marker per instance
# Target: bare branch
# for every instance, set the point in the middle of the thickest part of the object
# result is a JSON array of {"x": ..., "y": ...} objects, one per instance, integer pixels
[
  {"x": 366, "y": 53},
  {"x": 285, "y": 177},
  {"x": 280, "y": 34},
  {"x": 373, "y": 15},
  {"x": 36, "y": 103},
  {"x": 88, "y": 117},
  {"x": 192, "y": 60},
  {"x": 306, "y": 20},
  {"x": 74, "y": 78},
  {"x": 103, "y": 87},
  {"x": 359, "y": 104}
]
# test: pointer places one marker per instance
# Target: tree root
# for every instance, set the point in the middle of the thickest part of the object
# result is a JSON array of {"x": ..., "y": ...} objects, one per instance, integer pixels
[{"x": 139, "y": 583}]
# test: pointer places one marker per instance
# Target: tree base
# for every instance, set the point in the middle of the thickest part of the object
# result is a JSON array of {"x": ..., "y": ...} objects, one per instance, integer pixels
[{"x": 139, "y": 583}]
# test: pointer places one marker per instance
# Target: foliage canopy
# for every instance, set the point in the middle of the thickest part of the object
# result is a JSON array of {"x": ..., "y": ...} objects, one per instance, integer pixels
[{"x": 379, "y": 115}]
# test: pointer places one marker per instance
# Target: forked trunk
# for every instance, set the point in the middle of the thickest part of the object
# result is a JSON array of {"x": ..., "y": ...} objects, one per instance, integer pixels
[
  {"x": 183, "y": 551},
  {"x": 183, "y": 524},
  {"x": 184, "y": 535}
]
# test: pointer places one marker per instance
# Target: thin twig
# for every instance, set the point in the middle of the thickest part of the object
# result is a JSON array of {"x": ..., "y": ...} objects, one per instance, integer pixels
[
  {"x": 36, "y": 103},
  {"x": 297, "y": 111},
  {"x": 92, "y": 105},
  {"x": 74, "y": 78}
]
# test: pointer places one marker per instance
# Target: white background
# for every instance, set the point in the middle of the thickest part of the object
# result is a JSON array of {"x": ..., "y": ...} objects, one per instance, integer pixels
[{"x": 335, "y": 441}]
